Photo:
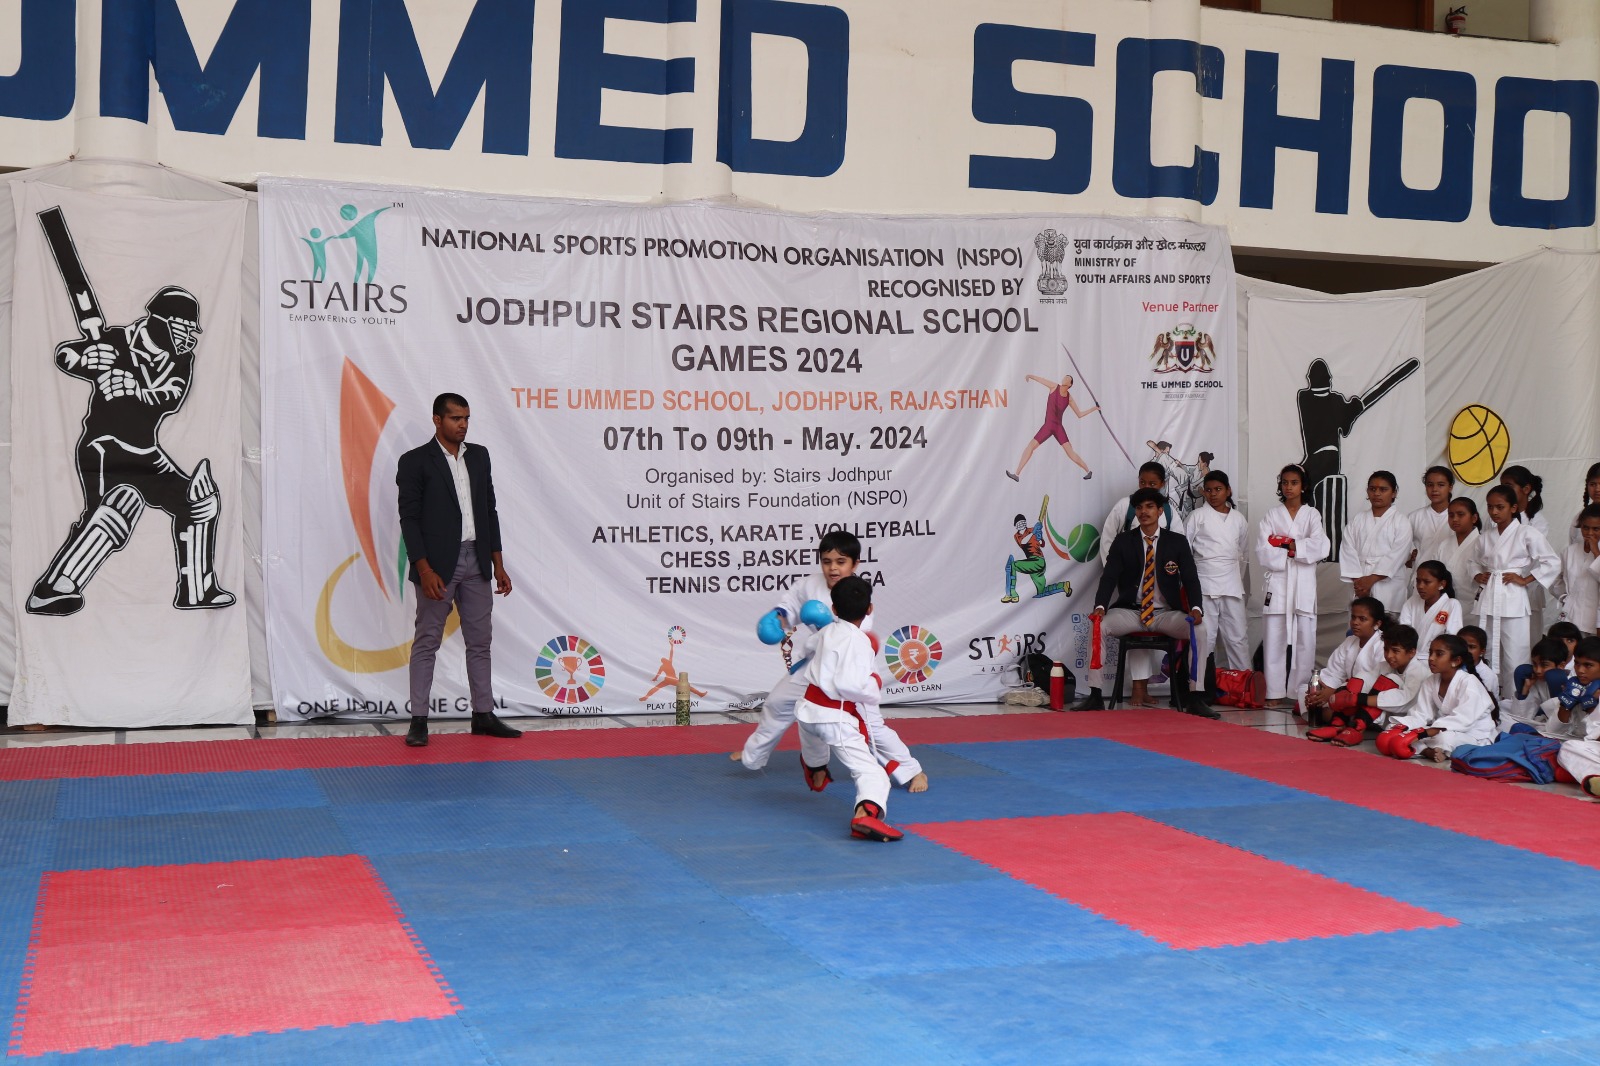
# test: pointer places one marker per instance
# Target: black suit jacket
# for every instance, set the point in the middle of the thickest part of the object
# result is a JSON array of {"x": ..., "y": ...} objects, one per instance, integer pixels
[
  {"x": 1176, "y": 576},
  {"x": 430, "y": 514}
]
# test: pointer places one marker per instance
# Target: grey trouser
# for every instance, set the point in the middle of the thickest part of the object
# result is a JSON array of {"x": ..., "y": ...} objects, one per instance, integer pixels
[
  {"x": 1120, "y": 621},
  {"x": 473, "y": 595}
]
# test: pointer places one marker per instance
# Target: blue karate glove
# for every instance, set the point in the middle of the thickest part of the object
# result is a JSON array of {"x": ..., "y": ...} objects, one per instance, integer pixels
[
  {"x": 770, "y": 628},
  {"x": 816, "y": 613},
  {"x": 1580, "y": 697},
  {"x": 1555, "y": 681}
]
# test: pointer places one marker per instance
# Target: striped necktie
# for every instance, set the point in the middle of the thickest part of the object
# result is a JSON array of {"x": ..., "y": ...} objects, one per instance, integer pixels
[{"x": 1147, "y": 584}]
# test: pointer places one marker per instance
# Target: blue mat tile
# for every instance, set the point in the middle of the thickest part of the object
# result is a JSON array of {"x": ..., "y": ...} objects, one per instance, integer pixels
[
  {"x": 831, "y": 861},
  {"x": 1462, "y": 981},
  {"x": 816, "y": 1020},
  {"x": 456, "y": 825},
  {"x": 997, "y": 922},
  {"x": 1476, "y": 881},
  {"x": 28, "y": 801},
  {"x": 19, "y": 894},
  {"x": 26, "y": 844},
  {"x": 501, "y": 880},
  {"x": 423, "y": 1042},
  {"x": 1158, "y": 1008},
  {"x": 448, "y": 781},
  {"x": 554, "y": 958},
  {"x": 1577, "y": 939},
  {"x": 163, "y": 840},
  {"x": 1548, "y": 1053},
  {"x": 116, "y": 797},
  {"x": 1062, "y": 760},
  {"x": 940, "y": 761}
]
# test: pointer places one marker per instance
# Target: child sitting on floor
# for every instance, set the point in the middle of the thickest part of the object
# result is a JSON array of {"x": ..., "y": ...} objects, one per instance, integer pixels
[
  {"x": 1564, "y": 716},
  {"x": 1453, "y": 708},
  {"x": 1354, "y": 665},
  {"x": 1569, "y": 635},
  {"x": 1477, "y": 642},
  {"x": 1581, "y": 757},
  {"x": 1535, "y": 684}
]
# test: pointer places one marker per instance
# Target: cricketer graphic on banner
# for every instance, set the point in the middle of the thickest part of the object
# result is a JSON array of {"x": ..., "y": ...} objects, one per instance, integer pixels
[
  {"x": 139, "y": 374},
  {"x": 1030, "y": 541}
]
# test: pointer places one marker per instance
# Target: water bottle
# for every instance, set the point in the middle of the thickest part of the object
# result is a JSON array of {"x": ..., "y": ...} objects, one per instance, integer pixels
[
  {"x": 681, "y": 705},
  {"x": 1058, "y": 687}
]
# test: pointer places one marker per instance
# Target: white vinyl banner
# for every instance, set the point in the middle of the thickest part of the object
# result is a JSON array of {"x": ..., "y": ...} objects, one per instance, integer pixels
[
  {"x": 680, "y": 400},
  {"x": 127, "y": 550},
  {"x": 1324, "y": 365}
]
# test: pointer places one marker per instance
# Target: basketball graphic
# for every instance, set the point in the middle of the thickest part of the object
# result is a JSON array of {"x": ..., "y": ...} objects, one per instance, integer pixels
[
  {"x": 1479, "y": 444},
  {"x": 569, "y": 669},
  {"x": 1083, "y": 543},
  {"x": 913, "y": 653}
]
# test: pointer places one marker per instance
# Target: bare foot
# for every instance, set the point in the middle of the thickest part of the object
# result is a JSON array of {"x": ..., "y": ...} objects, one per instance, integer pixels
[
  {"x": 1435, "y": 754},
  {"x": 1141, "y": 694},
  {"x": 819, "y": 778},
  {"x": 736, "y": 756},
  {"x": 918, "y": 783}
]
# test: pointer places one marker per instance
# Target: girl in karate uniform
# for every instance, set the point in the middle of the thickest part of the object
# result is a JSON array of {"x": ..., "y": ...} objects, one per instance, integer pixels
[
  {"x": 1578, "y": 588},
  {"x": 1452, "y": 709},
  {"x": 1512, "y": 555},
  {"x": 1219, "y": 536},
  {"x": 1529, "y": 488},
  {"x": 1290, "y": 542},
  {"x": 1433, "y": 610},
  {"x": 1377, "y": 545},
  {"x": 1439, "y": 483},
  {"x": 1352, "y": 669},
  {"x": 1457, "y": 548},
  {"x": 1477, "y": 642},
  {"x": 1591, "y": 495}
]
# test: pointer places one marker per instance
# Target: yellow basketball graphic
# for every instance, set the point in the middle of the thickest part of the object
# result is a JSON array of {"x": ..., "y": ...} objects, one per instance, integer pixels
[{"x": 1479, "y": 444}]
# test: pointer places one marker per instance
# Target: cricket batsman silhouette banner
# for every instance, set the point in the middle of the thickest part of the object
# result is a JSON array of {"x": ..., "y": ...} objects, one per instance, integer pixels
[
  {"x": 679, "y": 400},
  {"x": 125, "y": 483}
]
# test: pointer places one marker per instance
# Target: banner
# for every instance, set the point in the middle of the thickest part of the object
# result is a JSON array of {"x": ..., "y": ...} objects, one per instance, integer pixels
[
  {"x": 680, "y": 400},
  {"x": 126, "y": 549}
]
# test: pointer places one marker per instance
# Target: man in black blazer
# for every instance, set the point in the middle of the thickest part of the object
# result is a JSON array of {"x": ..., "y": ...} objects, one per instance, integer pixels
[
  {"x": 452, "y": 535},
  {"x": 1164, "y": 605}
]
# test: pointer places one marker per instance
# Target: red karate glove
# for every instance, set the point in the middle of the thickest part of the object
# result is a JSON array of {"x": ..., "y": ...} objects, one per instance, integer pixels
[{"x": 872, "y": 638}]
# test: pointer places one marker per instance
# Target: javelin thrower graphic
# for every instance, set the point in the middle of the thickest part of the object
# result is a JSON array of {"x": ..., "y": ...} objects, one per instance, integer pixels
[{"x": 139, "y": 374}]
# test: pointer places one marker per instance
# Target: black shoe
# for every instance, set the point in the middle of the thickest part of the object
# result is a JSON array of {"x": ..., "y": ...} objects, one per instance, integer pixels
[
  {"x": 1092, "y": 703},
  {"x": 1197, "y": 706},
  {"x": 487, "y": 725},
  {"x": 417, "y": 735}
]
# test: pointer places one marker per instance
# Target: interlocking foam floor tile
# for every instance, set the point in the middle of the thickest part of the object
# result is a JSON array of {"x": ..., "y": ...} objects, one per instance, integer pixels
[
  {"x": 120, "y": 797},
  {"x": 28, "y": 801},
  {"x": 1183, "y": 890},
  {"x": 26, "y": 844},
  {"x": 1161, "y": 1008},
  {"x": 831, "y": 860},
  {"x": 550, "y": 959},
  {"x": 448, "y": 781},
  {"x": 139, "y": 956},
  {"x": 161, "y": 840},
  {"x": 1543, "y": 1053},
  {"x": 495, "y": 881},
  {"x": 1472, "y": 988},
  {"x": 763, "y": 1027},
  {"x": 994, "y": 922},
  {"x": 392, "y": 828},
  {"x": 1576, "y": 939}
]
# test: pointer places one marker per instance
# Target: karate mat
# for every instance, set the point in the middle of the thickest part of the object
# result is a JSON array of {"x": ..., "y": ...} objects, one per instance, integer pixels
[{"x": 1122, "y": 887}]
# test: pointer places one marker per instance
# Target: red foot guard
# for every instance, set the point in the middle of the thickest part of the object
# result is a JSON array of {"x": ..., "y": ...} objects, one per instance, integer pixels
[
  {"x": 869, "y": 824},
  {"x": 811, "y": 776}
]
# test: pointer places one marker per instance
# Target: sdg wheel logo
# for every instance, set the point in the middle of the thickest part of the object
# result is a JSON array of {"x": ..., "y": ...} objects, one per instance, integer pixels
[
  {"x": 913, "y": 653},
  {"x": 569, "y": 670}
]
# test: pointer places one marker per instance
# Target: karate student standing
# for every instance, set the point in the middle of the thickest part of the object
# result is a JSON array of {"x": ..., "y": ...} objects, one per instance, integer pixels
[
  {"x": 1219, "y": 537},
  {"x": 1377, "y": 545},
  {"x": 1578, "y": 588},
  {"x": 1432, "y": 521},
  {"x": 1457, "y": 548},
  {"x": 1434, "y": 609},
  {"x": 1290, "y": 542},
  {"x": 1512, "y": 555}
]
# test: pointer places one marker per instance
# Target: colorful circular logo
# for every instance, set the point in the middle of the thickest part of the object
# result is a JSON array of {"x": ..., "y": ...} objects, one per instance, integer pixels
[
  {"x": 569, "y": 670},
  {"x": 913, "y": 653}
]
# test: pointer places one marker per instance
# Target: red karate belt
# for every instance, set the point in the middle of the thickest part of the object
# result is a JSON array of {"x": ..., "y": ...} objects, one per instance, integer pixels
[{"x": 1094, "y": 644}]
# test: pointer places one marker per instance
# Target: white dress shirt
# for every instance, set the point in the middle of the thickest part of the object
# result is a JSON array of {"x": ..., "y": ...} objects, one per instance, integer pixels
[{"x": 458, "y": 472}]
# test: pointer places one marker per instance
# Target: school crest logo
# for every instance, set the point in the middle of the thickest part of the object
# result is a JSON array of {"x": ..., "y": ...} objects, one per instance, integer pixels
[
  {"x": 1184, "y": 350},
  {"x": 1052, "y": 249}
]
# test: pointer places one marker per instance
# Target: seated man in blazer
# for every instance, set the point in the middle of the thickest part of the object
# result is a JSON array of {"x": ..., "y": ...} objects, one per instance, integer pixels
[
  {"x": 452, "y": 535},
  {"x": 1150, "y": 582}
]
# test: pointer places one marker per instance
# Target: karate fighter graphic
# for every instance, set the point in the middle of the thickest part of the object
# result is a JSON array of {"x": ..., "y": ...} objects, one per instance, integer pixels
[
  {"x": 1326, "y": 418},
  {"x": 139, "y": 374}
]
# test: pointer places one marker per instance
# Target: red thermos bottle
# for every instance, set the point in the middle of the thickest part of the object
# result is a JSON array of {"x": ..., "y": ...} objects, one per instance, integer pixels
[{"x": 1058, "y": 687}]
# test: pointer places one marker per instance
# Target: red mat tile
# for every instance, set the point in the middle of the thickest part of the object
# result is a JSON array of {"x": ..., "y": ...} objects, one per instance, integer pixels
[
  {"x": 1178, "y": 888},
  {"x": 165, "y": 953}
]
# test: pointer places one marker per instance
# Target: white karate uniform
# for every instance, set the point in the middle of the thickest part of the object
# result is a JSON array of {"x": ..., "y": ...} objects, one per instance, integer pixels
[
  {"x": 1291, "y": 589},
  {"x": 1378, "y": 545},
  {"x": 1527, "y": 709},
  {"x": 1429, "y": 622},
  {"x": 1465, "y": 713},
  {"x": 778, "y": 710},
  {"x": 1219, "y": 541},
  {"x": 1490, "y": 678},
  {"x": 841, "y": 665},
  {"x": 1581, "y": 758},
  {"x": 1536, "y": 593},
  {"x": 1396, "y": 702},
  {"x": 1504, "y": 610},
  {"x": 1427, "y": 525},
  {"x": 1141, "y": 665},
  {"x": 1350, "y": 661},
  {"x": 1460, "y": 559},
  {"x": 1578, "y": 587}
]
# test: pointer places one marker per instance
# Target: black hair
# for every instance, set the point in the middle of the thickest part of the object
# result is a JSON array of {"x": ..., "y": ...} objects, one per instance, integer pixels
[
  {"x": 444, "y": 400},
  {"x": 1550, "y": 649},
  {"x": 1524, "y": 478},
  {"x": 1472, "y": 509},
  {"x": 1591, "y": 510},
  {"x": 1594, "y": 472},
  {"x": 1441, "y": 573},
  {"x": 1508, "y": 494},
  {"x": 1147, "y": 496},
  {"x": 1384, "y": 475},
  {"x": 1221, "y": 478},
  {"x": 1155, "y": 468},
  {"x": 1588, "y": 648},
  {"x": 1455, "y": 646},
  {"x": 1372, "y": 605},
  {"x": 1565, "y": 631},
  {"x": 1298, "y": 470},
  {"x": 1477, "y": 633},
  {"x": 851, "y": 598},
  {"x": 1443, "y": 471},
  {"x": 1400, "y": 636},
  {"x": 842, "y": 541}
]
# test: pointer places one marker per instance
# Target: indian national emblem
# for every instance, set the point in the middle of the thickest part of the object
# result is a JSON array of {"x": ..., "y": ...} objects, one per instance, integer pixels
[
  {"x": 1052, "y": 249},
  {"x": 1183, "y": 349}
]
